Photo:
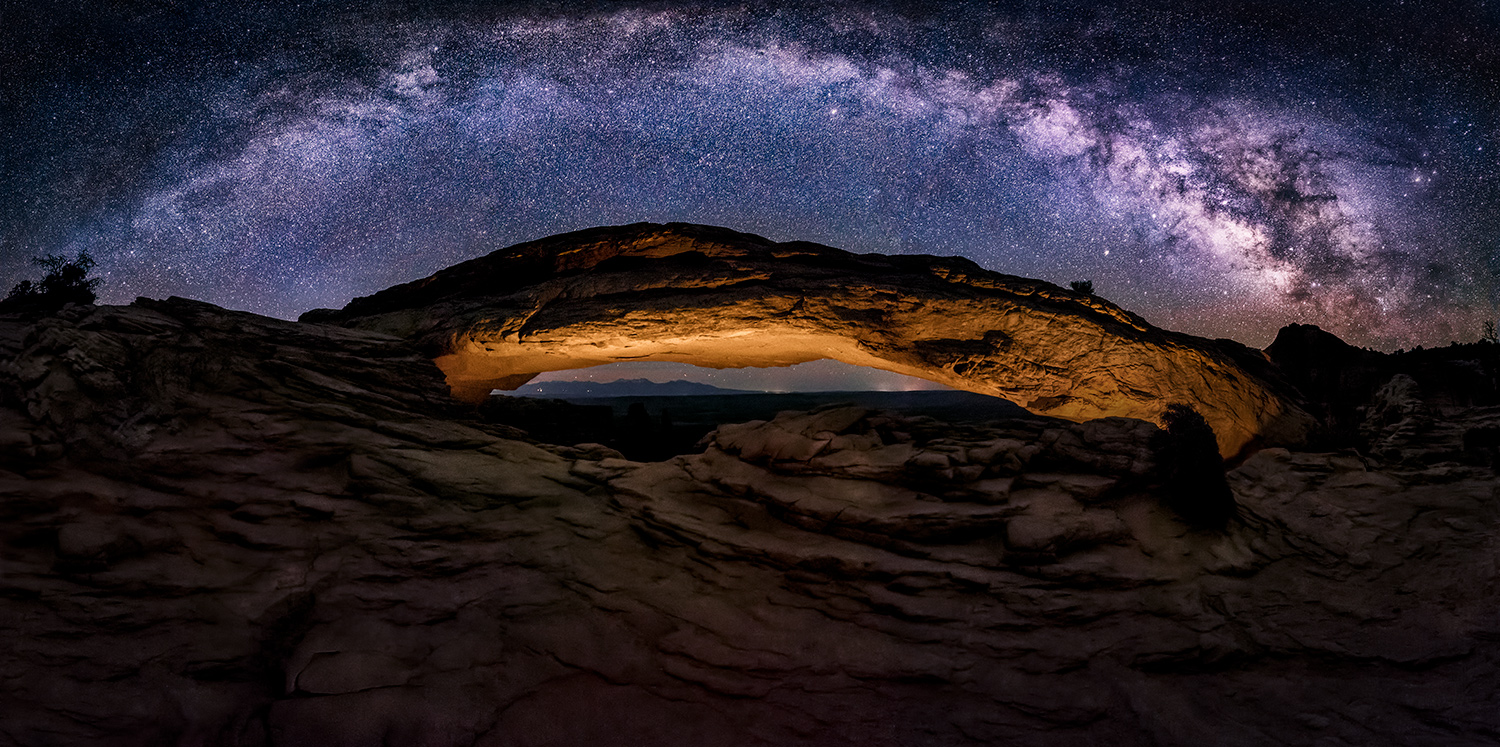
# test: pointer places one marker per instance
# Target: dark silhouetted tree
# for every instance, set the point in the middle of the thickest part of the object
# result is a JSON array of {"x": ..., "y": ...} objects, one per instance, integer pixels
[
  {"x": 1489, "y": 333},
  {"x": 1192, "y": 471},
  {"x": 67, "y": 281},
  {"x": 1086, "y": 287}
]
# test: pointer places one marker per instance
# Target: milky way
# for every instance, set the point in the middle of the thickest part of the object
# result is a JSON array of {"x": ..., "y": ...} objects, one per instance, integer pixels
[{"x": 1221, "y": 170}]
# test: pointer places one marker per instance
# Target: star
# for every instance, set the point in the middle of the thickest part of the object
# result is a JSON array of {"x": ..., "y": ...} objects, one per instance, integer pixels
[{"x": 1258, "y": 173}]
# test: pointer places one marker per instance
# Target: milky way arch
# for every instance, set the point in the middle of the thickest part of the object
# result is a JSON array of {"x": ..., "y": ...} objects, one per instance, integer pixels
[{"x": 1222, "y": 170}]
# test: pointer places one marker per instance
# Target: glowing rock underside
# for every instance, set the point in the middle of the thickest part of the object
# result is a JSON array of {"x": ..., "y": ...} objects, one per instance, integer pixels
[{"x": 721, "y": 299}]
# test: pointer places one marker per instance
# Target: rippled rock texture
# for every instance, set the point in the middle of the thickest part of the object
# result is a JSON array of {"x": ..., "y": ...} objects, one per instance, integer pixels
[
  {"x": 717, "y": 298},
  {"x": 225, "y": 529}
]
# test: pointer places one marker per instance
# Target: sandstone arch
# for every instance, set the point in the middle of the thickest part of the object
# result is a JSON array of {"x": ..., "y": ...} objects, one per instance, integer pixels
[{"x": 717, "y": 298}]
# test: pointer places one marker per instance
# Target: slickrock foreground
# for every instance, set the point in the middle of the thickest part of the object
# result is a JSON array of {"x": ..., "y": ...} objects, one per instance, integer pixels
[
  {"x": 225, "y": 529},
  {"x": 718, "y": 298}
]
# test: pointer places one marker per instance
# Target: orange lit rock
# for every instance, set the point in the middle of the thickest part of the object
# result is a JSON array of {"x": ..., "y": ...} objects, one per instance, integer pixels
[{"x": 721, "y": 299}]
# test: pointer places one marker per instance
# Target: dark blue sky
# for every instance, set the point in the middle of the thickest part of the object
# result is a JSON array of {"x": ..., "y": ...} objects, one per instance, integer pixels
[{"x": 1221, "y": 168}]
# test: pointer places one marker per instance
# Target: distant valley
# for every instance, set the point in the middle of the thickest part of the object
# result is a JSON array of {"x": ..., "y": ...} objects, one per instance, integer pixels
[{"x": 621, "y": 388}]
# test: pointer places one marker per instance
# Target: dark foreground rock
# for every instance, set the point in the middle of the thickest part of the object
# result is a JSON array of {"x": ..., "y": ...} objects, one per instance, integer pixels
[
  {"x": 1338, "y": 381},
  {"x": 225, "y": 529}
]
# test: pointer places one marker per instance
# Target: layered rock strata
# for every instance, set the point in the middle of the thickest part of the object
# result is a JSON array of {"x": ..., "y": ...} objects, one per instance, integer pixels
[
  {"x": 225, "y": 529},
  {"x": 717, "y": 298}
]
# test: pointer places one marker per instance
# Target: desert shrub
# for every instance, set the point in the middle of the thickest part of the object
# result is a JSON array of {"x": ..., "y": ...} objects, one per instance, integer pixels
[
  {"x": 1086, "y": 287},
  {"x": 67, "y": 281},
  {"x": 1482, "y": 445},
  {"x": 1193, "y": 483}
]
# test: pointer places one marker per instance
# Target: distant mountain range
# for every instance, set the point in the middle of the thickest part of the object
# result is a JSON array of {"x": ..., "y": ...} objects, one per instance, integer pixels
[{"x": 621, "y": 388}]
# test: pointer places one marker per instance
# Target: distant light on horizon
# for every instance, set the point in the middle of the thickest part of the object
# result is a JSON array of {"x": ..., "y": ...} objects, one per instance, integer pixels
[{"x": 814, "y": 376}]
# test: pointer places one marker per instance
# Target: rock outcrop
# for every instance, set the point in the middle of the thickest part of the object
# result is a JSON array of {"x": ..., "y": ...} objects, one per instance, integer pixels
[
  {"x": 1337, "y": 380},
  {"x": 717, "y": 298},
  {"x": 225, "y": 529}
]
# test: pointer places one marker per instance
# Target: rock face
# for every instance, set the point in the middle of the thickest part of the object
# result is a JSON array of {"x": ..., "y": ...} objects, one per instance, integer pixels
[
  {"x": 225, "y": 529},
  {"x": 718, "y": 298},
  {"x": 1338, "y": 380}
]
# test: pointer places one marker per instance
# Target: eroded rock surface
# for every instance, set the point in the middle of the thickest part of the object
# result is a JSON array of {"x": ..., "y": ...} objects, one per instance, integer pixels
[
  {"x": 225, "y": 529},
  {"x": 717, "y": 298}
]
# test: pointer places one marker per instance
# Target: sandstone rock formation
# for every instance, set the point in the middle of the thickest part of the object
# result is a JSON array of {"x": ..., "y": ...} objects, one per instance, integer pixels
[
  {"x": 717, "y": 298},
  {"x": 225, "y": 529}
]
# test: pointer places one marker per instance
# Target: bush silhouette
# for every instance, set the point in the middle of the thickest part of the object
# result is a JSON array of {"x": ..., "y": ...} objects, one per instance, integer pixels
[
  {"x": 1193, "y": 481},
  {"x": 67, "y": 281},
  {"x": 1086, "y": 287}
]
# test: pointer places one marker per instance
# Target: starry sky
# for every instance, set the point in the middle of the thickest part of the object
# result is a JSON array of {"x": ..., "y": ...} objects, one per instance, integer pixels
[{"x": 1220, "y": 168}]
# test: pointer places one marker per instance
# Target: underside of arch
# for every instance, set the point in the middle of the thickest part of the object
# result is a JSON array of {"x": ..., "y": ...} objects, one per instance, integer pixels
[{"x": 720, "y": 299}]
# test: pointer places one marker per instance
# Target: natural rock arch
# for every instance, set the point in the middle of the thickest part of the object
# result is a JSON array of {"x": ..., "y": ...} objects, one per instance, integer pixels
[{"x": 718, "y": 298}]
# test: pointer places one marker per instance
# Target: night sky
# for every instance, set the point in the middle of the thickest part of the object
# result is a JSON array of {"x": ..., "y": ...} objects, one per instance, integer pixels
[{"x": 1221, "y": 168}]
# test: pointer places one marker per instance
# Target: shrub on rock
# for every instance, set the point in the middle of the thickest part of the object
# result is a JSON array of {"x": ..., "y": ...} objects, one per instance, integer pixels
[
  {"x": 67, "y": 281},
  {"x": 1192, "y": 471}
]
